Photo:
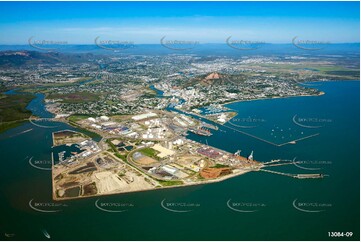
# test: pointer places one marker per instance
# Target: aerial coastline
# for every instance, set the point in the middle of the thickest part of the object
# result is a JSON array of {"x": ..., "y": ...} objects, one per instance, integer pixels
[
  {"x": 179, "y": 121},
  {"x": 142, "y": 126}
]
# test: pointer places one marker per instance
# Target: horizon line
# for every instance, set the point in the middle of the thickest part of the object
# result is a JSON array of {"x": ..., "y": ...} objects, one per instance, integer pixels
[{"x": 224, "y": 43}]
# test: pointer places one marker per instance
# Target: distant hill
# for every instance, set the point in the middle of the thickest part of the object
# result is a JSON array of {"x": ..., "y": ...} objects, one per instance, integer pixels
[
  {"x": 213, "y": 79},
  {"x": 203, "y": 49},
  {"x": 25, "y": 58},
  {"x": 213, "y": 75}
]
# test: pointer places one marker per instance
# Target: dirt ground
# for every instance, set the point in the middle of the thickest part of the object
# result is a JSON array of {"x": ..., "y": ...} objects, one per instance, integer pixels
[{"x": 145, "y": 160}]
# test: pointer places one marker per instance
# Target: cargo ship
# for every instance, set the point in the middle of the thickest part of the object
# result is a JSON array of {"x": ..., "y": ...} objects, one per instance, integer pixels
[
  {"x": 201, "y": 131},
  {"x": 210, "y": 126}
]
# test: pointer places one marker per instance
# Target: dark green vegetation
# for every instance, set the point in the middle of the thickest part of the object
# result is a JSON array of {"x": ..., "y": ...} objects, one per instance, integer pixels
[
  {"x": 116, "y": 152},
  {"x": 13, "y": 110},
  {"x": 120, "y": 156},
  {"x": 112, "y": 145}
]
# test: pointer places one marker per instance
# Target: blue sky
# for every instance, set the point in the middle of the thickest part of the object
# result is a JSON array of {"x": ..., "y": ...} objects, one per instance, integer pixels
[{"x": 206, "y": 22}]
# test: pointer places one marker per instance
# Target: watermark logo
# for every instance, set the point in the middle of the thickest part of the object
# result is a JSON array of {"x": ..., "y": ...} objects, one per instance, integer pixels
[
  {"x": 9, "y": 235},
  {"x": 300, "y": 164},
  {"x": 102, "y": 75},
  {"x": 245, "y": 207},
  {"x": 178, "y": 44},
  {"x": 45, "y": 233},
  {"x": 310, "y": 122},
  {"x": 113, "y": 207},
  {"x": 48, "y": 45},
  {"x": 248, "y": 122},
  {"x": 244, "y": 44},
  {"x": 113, "y": 45},
  {"x": 46, "y": 207},
  {"x": 309, "y": 44},
  {"x": 40, "y": 164},
  {"x": 311, "y": 207},
  {"x": 179, "y": 207}
]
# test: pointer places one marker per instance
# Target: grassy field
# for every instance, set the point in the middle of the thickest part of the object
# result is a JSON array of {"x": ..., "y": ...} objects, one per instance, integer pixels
[
  {"x": 149, "y": 152},
  {"x": 122, "y": 157},
  {"x": 13, "y": 110},
  {"x": 170, "y": 183},
  {"x": 219, "y": 166},
  {"x": 76, "y": 118},
  {"x": 116, "y": 152}
]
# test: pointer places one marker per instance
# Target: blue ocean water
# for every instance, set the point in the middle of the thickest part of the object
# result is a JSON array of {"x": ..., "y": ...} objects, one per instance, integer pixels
[{"x": 271, "y": 198}]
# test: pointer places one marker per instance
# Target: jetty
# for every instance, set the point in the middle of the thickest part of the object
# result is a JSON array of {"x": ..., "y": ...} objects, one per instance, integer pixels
[{"x": 298, "y": 176}]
